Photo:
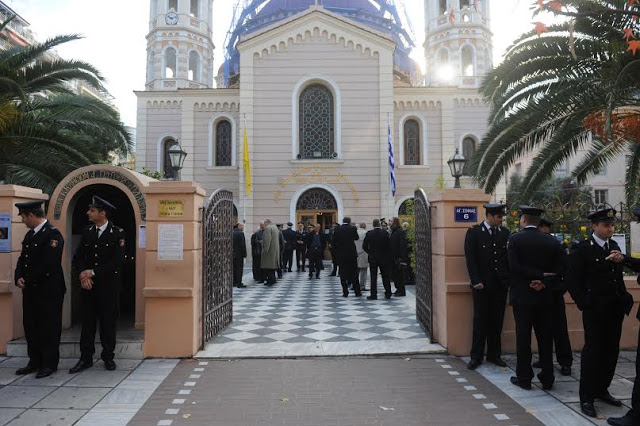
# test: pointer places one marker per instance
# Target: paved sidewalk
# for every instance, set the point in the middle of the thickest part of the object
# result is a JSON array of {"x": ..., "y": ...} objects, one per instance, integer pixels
[{"x": 395, "y": 391}]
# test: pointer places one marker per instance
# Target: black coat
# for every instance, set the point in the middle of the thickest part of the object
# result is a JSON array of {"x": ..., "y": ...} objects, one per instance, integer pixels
[
  {"x": 40, "y": 262},
  {"x": 377, "y": 244},
  {"x": 344, "y": 246},
  {"x": 399, "y": 245},
  {"x": 301, "y": 238},
  {"x": 311, "y": 252},
  {"x": 532, "y": 253},
  {"x": 592, "y": 280},
  {"x": 104, "y": 255},
  {"x": 486, "y": 257},
  {"x": 256, "y": 244},
  {"x": 239, "y": 245},
  {"x": 290, "y": 239}
]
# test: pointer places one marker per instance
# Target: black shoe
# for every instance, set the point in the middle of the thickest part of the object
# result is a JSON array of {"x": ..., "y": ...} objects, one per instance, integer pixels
[
  {"x": 345, "y": 294},
  {"x": 497, "y": 361},
  {"x": 26, "y": 370},
  {"x": 364, "y": 289},
  {"x": 260, "y": 281},
  {"x": 81, "y": 365},
  {"x": 317, "y": 277},
  {"x": 44, "y": 372},
  {"x": 332, "y": 274},
  {"x": 607, "y": 398},
  {"x": 288, "y": 270},
  {"x": 241, "y": 286},
  {"x": 547, "y": 386},
  {"x": 399, "y": 294},
  {"x": 387, "y": 296},
  {"x": 302, "y": 269},
  {"x": 473, "y": 364},
  {"x": 358, "y": 294},
  {"x": 372, "y": 297},
  {"x": 537, "y": 364},
  {"x": 310, "y": 277},
  {"x": 524, "y": 385},
  {"x": 109, "y": 365},
  {"x": 626, "y": 420},
  {"x": 565, "y": 371},
  {"x": 588, "y": 409}
]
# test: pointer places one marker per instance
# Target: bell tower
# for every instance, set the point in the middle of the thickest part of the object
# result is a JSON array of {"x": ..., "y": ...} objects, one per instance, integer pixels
[
  {"x": 179, "y": 45},
  {"x": 457, "y": 45}
]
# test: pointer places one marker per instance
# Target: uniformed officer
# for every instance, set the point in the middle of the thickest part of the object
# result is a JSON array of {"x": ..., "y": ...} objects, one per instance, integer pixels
[
  {"x": 485, "y": 249},
  {"x": 301, "y": 236},
  {"x": 99, "y": 259},
  {"x": 595, "y": 283},
  {"x": 558, "y": 314},
  {"x": 39, "y": 275},
  {"x": 536, "y": 260}
]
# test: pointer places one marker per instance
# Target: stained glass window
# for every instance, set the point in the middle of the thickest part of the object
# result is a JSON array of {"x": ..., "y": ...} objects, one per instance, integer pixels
[
  {"x": 316, "y": 121},
  {"x": 468, "y": 148},
  {"x": 223, "y": 143},
  {"x": 316, "y": 199},
  {"x": 411, "y": 143}
]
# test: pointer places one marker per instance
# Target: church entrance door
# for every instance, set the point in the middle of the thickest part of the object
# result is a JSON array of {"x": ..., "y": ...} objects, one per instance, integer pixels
[{"x": 317, "y": 205}]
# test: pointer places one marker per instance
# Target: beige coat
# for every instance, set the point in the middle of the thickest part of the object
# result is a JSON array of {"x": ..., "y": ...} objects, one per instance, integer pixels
[
  {"x": 363, "y": 257},
  {"x": 270, "y": 258}
]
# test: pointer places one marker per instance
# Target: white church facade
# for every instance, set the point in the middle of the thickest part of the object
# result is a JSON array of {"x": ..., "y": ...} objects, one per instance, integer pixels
[{"x": 316, "y": 91}]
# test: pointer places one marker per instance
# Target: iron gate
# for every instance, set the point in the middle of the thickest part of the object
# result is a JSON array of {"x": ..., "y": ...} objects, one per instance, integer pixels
[
  {"x": 217, "y": 268},
  {"x": 423, "y": 279}
]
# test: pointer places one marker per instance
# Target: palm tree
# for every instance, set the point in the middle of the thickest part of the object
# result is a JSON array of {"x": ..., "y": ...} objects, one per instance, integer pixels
[
  {"x": 575, "y": 87},
  {"x": 46, "y": 130}
]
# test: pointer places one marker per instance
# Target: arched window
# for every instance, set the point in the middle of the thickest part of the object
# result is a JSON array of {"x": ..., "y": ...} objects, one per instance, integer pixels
[
  {"x": 170, "y": 63},
  {"x": 223, "y": 143},
  {"x": 194, "y": 66},
  {"x": 443, "y": 56},
  {"x": 172, "y": 4},
  {"x": 168, "y": 171},
  {"x": 150, "y": 66},
  {"x": 316, "y": 199},
  {"x": 194, "y": 8},
  {"x": 316, "y": 123},
  {"x": 468, "y": 149},
  {"x": 411, "y": 143},
  {"x": 467, "y": 61}
]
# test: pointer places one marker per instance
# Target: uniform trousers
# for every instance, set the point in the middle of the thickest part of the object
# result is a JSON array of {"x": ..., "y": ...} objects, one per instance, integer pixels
[
  {"x": 238, "y": 265},
  {"x": 602, "y": 329},
  {"x": 635, "y": 395},
  {"x": 100, "y": 304},
  {"x": 526, "y": 317},
  {"x": 255, "y": 266},
  {"x": 42, "y": 322},
  {"x": 386, "y": 281},
  {"x": 315, "y": 263},
  {"x": 399, "y": 276},
  {"x": 560, "y": 331},
  {"x": 288, "y": 259},
  {"x": 488, "y": 316},
  {"x": 300, "y": 258}
]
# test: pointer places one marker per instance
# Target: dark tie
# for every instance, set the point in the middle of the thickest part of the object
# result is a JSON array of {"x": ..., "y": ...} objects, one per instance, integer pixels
[{"x": 606, "y": 247}]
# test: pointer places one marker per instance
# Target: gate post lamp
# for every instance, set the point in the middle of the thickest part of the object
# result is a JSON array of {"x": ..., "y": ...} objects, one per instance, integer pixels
[
  {"x": 176, "y": 157},
  {"x": 456, "y": 165}
]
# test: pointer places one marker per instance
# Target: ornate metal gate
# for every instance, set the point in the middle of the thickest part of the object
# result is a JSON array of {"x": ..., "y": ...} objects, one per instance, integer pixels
[
  {"x": 424, "y": 293},
  {"x": 217, "y": 229}
]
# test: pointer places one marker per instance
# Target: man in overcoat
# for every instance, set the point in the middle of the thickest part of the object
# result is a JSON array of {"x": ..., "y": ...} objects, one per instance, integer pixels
[
  {"x": 376, "y": 244},
  {"x": 270, "y": 256},
  {"x": 344, "y": 237}
]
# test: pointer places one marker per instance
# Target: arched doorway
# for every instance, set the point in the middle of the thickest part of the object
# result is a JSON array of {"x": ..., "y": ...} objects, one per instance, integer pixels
[
  {"x": 317, "y": 205},
  {"x": 124, "y": 217}
]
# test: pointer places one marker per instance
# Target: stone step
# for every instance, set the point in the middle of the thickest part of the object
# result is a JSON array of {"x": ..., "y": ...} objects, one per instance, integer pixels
[{"x": 124, "y": 350}]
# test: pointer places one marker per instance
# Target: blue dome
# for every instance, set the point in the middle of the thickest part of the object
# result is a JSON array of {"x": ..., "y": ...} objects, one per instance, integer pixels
[{"x": 380, "y": 15}]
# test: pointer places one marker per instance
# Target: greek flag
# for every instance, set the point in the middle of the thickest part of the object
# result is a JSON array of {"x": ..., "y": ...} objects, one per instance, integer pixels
[{"x": 392, "y": 174}]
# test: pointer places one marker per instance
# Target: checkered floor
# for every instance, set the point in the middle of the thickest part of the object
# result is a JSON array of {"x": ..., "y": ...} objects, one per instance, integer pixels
[{"x": 299, "y": 310}]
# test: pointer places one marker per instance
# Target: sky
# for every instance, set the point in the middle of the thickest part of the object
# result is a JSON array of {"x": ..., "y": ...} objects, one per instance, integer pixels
[{"x": 114, "y": 35}]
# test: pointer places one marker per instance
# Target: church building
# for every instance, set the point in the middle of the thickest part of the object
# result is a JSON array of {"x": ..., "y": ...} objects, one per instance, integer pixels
[{"x": 317, "y": 85}]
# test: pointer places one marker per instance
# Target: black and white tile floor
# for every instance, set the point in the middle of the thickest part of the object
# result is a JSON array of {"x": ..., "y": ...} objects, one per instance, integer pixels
[{"x": 302, "y": 317}]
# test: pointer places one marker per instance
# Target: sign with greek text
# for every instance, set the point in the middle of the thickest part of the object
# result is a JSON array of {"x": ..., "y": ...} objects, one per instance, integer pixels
[
  {"x": 466, "y": 213},
  {"x": 171, "y": 208}
]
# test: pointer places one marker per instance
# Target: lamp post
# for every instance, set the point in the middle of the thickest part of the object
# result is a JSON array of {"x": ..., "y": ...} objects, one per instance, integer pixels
[
  {"x": 456, "y": 165},
  {"x": 176, "y": 158}
]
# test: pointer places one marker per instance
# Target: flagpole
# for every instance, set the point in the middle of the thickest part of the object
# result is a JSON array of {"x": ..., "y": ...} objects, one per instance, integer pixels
[
  {"x": 244, "y": 192},
  {"x": 390, "y": 156}
]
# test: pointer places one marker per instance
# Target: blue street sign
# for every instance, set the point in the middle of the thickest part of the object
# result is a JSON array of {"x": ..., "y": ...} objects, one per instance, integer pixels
[{"x": 466, "y": 214}]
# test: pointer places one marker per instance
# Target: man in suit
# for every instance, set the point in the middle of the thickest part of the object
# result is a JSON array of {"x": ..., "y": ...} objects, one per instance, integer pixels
[
  {"x": 239, "y": 253},
  {"x": 301, "y": 255},
  {"x": 344, "y": 238},
  {"x": 535, "y": 260},
  {"x": 270, "y": 256},
  {"x": 314, "y": 247},
  {"x": 290, "y": 241},
  {"x": 334, "y": 260},
  {"x": 485, "y": 250},
  {"x": 376, "y": 244},
  {"x": 39, "y": 275},
  {"x": 99, "y": 259},
  {"x": 596, "y": 284},
  {"x": 400, "y": 255},
  {"x": 256, "y": 253},
  {"x": 560, "y": 332}
]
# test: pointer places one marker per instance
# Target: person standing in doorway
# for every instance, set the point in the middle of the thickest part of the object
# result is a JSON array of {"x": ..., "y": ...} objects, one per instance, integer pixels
[
  {"x": 301, "y": 254},
  {"x": 344, "y": 238},
  {"x": 315, "y": 243},
  {"x": 39, "y": 275},
  {"x": 270, "y": 256},
  {"x": 239, "y": 253},
  {"x": 256, "y": 254},
  {"x": 400, "y": 255},
  {"x": 485, "y": 250},
  {"x": 363, "y": 263},
  {"x": 290, "y": 241},
  {"x": 377, "y": 245},
  {"x": 99, "y": 259}
]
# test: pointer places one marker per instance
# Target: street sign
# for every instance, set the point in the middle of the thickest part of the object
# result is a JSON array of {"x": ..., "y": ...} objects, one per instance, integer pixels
[{"x": 466, "y": 214}]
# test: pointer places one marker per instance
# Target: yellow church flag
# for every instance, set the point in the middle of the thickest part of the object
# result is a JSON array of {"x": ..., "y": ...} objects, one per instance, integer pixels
[{"x": 245, "y": 163}]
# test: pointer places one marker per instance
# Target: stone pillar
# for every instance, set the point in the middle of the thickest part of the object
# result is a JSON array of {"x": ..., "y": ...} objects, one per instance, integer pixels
[
  {"x": 173, "y": 288},
  {"x": 452, "y": 302},
  {"x": 10, "y": 295}
]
